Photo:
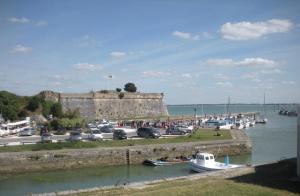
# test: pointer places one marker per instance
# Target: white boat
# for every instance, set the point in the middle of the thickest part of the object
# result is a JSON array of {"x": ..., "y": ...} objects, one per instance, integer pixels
[{"x": 206, "y": 162}]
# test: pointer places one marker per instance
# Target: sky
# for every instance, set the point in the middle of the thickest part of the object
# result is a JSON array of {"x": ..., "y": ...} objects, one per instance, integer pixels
[{"x": 192, "y": 51}]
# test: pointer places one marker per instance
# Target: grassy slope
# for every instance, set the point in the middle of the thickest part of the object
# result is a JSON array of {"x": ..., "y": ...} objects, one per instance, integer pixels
[
  {"x": 201, "y": 135},
  {"x": 272, "y": 179}
]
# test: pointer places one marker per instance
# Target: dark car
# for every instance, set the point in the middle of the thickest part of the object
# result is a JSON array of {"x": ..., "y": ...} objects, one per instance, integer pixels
[
  {"x": 46, "y": 138},
  {"x": 175, "y": 131},
  {"x": 119, "y": 134},
  {"x": 107, "y": 129},
  {"x": 148, "y": 132}
]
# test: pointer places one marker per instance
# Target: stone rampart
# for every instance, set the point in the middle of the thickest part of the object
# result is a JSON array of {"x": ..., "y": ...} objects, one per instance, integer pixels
[{"x": 111, "y": 105}]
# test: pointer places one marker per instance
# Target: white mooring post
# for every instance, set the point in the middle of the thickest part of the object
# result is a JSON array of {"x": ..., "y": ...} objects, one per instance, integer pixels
[{"x": 298, "y": 145}]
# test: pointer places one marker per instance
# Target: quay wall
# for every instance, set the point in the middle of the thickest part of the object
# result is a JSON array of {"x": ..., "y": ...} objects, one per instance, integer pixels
[
  {"x": 17, "y": 162},
  {"x": 111, "y": 105}
]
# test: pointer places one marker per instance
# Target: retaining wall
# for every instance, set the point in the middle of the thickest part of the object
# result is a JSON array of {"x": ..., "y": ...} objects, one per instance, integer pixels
[{"x": 15, "y": 162}]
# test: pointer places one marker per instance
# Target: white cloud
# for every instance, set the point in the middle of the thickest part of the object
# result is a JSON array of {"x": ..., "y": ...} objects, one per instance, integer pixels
[
  {"x": 251, "y": 62},
  {"x": 185, "y": 35},
  {"x": 207, "y": 35},
  {"x": 254, "y": 30},
  {"x": 257, "y": 62},
  {"x": 289, "y": 82},
  {"x": 21, "y": 49},
  {"x": 41, "y": 23},
  {"x": 256, "y": 80},
  {"x": 225, "y": 84},
  {"x": 252, "y": 76},
  {"x": 271, "y": 71},
  {"x": 155, "y": 73},
  {"x": 186, "y": 75},
  {"x": 221, "y": 77},
  {"x": 22, "y": 20},
  {"x": 219, "y": 62},
  {"x": 182, "y": 35},
  {"x": 118, "y": 55},
  {"x": 87, "y": 66}
]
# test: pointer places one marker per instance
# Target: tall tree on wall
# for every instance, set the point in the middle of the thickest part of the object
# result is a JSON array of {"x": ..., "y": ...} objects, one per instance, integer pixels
[{"x": 130, "y": 87}]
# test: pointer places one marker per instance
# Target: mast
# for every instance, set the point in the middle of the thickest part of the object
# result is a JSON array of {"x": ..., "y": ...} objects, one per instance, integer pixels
[{"x": 264, "y": 103}]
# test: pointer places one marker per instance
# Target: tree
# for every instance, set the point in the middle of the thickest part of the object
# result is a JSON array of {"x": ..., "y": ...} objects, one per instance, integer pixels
[
  {"x": 33, "y": 103},
  {"x": 47, "y": 105},
  {"x": 56, "y": 110},
  {"x": 130, "y": 87},
  {"x": 118, "y": 90}
]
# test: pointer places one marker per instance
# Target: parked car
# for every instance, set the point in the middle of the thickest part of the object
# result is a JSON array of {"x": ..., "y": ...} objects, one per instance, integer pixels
[
  {"x": 175, "y": 131},
  {"x": 107, "y": 129},
  {"x": 46, "y": 138},
  {"x": 148, "y": 132},
  {"x": 27, "y": 132},
  {"x": 75, "y": 136},
  {"x": 95, "y": 134},
  {"x": 119, "y": 134}
]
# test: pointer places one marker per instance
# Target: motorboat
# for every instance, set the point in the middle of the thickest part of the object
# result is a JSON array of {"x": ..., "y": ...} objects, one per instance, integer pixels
[
  {"x": 206, "y": 162},
  {"x": 156, "y": 162},
  {"x": 164, "y": 162}
]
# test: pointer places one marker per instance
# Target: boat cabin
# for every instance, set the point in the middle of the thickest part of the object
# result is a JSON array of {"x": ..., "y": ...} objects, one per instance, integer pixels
[{"x": 205, "y": 158}]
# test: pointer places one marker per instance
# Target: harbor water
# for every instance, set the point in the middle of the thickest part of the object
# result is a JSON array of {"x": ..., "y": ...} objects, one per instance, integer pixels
[{"x": 273, "y": 141}]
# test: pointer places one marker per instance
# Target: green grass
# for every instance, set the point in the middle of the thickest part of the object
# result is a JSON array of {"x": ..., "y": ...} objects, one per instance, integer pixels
[{"x": 200, "y": 135}]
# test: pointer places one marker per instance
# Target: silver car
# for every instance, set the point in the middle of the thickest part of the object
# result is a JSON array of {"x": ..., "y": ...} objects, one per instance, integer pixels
[
  {"x": 75, "y": 136},
  {"x": 27, "y": 132}
]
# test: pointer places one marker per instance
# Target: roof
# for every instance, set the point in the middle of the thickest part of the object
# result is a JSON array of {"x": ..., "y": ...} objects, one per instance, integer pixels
[{"x": 205, "y": 154}]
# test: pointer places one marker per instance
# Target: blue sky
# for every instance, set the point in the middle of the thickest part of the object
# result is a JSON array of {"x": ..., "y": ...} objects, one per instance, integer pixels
[{"x": 193, "y": 51}]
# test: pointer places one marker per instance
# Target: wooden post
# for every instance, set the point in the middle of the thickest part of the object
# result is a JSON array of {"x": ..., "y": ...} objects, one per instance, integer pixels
[{"x": 298, "y": 144}]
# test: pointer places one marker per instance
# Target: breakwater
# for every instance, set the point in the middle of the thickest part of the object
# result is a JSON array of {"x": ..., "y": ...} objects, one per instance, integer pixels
[{"x": 15, "y": 162}]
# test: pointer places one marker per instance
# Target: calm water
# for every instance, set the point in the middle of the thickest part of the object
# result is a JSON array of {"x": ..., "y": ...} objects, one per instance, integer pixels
[{"x": 270, "y": 142}]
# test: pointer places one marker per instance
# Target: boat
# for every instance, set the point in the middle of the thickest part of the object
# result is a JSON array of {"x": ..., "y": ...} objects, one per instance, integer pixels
[
  {"x": 156, "y": 162},
  {"x": 206, "y": 162},
  {"x": 164, "y": 161}
]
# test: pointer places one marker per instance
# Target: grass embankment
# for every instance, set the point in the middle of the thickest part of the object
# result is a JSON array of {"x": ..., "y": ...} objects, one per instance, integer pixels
[
  {"x": 273, "y": 179},
  {"x": 200, "y": 135}
]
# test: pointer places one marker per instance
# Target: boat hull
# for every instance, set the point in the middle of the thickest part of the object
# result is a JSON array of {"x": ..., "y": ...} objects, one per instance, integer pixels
[{"x": 194, "y": 166}]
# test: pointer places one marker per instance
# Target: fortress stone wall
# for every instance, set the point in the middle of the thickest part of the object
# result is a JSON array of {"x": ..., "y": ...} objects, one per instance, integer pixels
[{"x": 97, "y": 105}]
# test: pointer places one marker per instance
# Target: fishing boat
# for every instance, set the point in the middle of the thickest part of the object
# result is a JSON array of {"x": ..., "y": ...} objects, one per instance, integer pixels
[{"x": 206, "y": 162}]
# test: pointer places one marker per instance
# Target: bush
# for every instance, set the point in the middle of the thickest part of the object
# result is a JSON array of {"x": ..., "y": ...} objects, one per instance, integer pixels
[
  {"x": 33, "y": 103},
  {"x": 130, "y": 87},
  {"x": 56, "y": 110},
  {"x": 121, "y": 95},
  {"x": 47, "y": 108}
]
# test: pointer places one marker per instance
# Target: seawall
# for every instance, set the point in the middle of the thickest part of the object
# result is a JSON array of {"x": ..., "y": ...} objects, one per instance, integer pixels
[{"x": 15, "y": 162}]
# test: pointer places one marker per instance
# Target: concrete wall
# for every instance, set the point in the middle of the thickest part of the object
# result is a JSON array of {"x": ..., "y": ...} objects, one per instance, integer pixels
[
  {"x": 96, "y": 105},
  {"x": 15, "y": 162}
]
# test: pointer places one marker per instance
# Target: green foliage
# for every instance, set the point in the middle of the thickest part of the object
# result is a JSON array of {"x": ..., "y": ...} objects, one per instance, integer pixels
[
  {"x": 130, "y": 87},
  {"x": 104, "y": 91},
  {"x": 56, "y": 110},
  {"x": 70, "y": 123},
  {"x": 118, "y": 89},
  {"x": 47, "y": 107},
  {"x": 121, "y": 95},
  {"x": 72, "y": 114},
  {"x": 11, "y": 105},
  {"x": 33, "y": 103},
  {"x": 23, "y": 113}
]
